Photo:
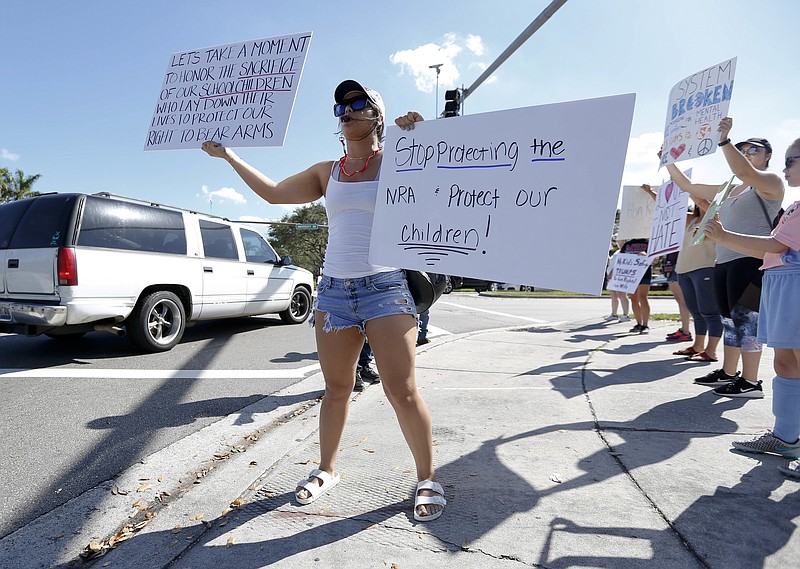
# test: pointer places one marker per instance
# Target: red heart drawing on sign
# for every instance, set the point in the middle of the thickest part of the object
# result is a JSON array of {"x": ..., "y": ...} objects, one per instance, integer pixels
[
  {"x": 668, "y": 191},
  {"x": 675, "y": 152}
]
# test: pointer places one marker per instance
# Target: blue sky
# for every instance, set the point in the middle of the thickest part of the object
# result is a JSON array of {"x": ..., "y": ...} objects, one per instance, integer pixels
[{"x": 80, "y": 79}]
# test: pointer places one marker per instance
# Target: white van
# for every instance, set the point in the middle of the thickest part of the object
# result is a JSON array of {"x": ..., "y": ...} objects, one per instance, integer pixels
[{"x": 73, "y": 263}]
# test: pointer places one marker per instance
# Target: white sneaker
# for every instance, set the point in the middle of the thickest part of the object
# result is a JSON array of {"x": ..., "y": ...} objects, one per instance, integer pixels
[
  {"x": 611, "y": 317},
  {"x": 624, "y": 318}
]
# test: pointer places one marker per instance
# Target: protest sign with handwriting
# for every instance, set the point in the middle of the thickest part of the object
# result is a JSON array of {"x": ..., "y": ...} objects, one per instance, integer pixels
[
  {"x": 669, "y": 219},
  {"x": 239, "y": 94},
  {"x": 629, "y": 268},
  {"x": 696, "y": 105},
  {"x": 636, "y": 213},
  {"x": 526, "y": 195}
]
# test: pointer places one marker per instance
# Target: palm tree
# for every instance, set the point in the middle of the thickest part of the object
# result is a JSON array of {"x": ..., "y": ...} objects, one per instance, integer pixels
[{"x": 16, "y": 186}]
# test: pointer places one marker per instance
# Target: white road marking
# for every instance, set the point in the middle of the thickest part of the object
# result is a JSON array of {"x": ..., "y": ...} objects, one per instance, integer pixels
[
  {"x": 298, "y": 373},
  {"x": 534, "y": 320}
]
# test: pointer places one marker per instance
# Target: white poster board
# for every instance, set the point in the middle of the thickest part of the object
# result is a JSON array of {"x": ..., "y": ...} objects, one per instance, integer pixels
[
  {"x": 629, "y": 268},
  {"x": 695, "y": 107},
  {"x": 525, "y": 195},
  {"x": 669, "y": 220},
  {"x": 240, "y": 94},
  {"x": 635, "y": 214}
]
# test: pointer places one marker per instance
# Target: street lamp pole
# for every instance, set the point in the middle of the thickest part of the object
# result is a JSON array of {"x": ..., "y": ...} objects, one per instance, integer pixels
[{"x": 436, "y": 67}]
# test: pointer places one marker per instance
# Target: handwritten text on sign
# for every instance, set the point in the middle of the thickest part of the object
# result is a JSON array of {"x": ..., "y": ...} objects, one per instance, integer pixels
[
  {"x": 239, "y": 94},
  {"x": 669, "y": 220},
  {"x": 525, "y": 195},
  {"x": 696, "y": 105},
  {"x": 636, "y": 213},
  {"x": 629, "y": 268}
]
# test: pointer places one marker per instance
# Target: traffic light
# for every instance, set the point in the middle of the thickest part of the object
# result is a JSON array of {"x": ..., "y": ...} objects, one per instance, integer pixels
[{"x": 452, "y": 105}]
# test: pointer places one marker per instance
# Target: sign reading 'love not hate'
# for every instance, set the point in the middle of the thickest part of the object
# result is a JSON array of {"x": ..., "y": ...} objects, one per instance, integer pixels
[
  {"x": 696, "y": 105},
  {"x": 669, "y": 219},
  {"x": 240, "y": 94},
  {"x": 525, "y": 195}
]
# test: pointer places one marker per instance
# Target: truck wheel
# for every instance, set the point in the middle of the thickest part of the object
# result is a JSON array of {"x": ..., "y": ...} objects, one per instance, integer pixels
[
  {"x": 299, "y": 308},
  {"x": 157, "y": 322}
]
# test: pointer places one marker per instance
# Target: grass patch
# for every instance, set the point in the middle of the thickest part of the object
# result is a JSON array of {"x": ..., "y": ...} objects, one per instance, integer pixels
[{"x": 665, "y": 316}]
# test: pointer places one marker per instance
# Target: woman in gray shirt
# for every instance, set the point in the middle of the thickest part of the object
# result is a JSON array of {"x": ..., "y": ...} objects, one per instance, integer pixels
[{"x": 749, "y": 208}]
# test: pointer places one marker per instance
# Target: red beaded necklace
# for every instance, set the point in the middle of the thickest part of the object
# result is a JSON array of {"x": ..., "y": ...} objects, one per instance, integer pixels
[{"x": 343, "y": 160}]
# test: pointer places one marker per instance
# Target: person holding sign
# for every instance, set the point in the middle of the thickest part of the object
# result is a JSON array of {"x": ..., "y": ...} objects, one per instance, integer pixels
[
  {"x": 778, "y": 319},
  {"x": 749, "y": 208},
  {"x": 639, "y": 303},
  {"x": 695, "y": 270},
  {"x": 355, "y": 298}
]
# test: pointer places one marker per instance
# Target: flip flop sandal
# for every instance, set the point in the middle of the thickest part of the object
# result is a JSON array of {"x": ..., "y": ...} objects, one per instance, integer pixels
[
  {"x": 701, "y": 357},
  {"x": 686, "y": 352},
  {"x": 315, "y": 490},
  {"x": 429, "y": 500}
]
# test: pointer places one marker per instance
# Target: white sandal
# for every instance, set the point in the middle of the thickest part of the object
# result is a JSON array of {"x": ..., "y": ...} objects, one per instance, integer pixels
[
  {"x": 429, "y": 500},
  {"x": 316, "y": 490}
]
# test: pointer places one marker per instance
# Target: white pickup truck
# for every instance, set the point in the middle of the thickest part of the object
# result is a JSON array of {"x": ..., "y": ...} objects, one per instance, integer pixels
[{"x": 73, "y": 263}]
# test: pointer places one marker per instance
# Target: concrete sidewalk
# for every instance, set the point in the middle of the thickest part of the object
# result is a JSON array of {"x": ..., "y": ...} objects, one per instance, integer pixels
[{"x": 579, "y": 446}]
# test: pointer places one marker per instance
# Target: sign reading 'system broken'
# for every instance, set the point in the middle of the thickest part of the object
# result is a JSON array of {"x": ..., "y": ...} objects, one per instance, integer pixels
[
  {"x": 239, "y": 94},
  {"x": 525, "y": 196}
]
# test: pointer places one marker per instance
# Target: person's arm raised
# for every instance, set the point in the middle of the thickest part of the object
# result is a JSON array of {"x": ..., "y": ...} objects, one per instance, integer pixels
[
  {"x": 700, "y": 191},
  {"x": 303, "y": 187},
  {"x": 768, "y": 184}
]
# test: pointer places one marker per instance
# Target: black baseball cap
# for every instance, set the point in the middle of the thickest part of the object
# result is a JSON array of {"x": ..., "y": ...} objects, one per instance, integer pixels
[
  {"x": 351, "y": 85},
  {"x": 762, "y": 142}
]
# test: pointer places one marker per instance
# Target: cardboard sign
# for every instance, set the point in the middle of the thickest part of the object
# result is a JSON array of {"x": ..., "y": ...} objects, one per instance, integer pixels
[
  {"x": 723, "y": 192},
  {"x": 696, "y": 105},
  {"x": 669, "y": 219},
  {"x": 629, "y": 268},
  {"x": 526, "y": 195},
  {"x": 240, "y": 94},
  {"x": 635, "y": 214}
]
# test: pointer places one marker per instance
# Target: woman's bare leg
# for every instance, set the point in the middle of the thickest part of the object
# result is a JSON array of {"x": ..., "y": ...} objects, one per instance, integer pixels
[
  {"x": 338, "y": 354},
  {"x": 393, "y": 340}
]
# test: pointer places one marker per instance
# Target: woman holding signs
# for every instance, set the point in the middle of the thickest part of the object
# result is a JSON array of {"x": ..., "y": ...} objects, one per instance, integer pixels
[
  {"x": 778, "y": 319},
  {"x": 749, "y": 208},
  {"x": 355, "y": 298}
]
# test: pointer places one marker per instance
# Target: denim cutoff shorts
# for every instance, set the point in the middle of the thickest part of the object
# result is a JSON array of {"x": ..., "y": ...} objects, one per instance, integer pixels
[{"x": 349, "y": 303}]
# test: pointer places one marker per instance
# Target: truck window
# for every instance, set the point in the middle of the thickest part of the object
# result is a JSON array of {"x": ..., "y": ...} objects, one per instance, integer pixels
[
  {"x": 44, "y": 224},
  {"x": 256, "y": 248},
  {"x": 132, "y": 227},
  {"x": 10, "y": 214},
  {"x": 218, "y": 240}
]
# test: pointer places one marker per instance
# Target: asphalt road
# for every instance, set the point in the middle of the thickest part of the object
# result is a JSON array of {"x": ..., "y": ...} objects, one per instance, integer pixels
[{"x": 75, "y": 414}]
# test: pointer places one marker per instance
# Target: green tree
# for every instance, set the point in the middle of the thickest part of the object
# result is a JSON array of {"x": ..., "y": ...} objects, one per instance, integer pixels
[
  {"x": 305, "y": 247},
  {"x": 16, "y": 186}
]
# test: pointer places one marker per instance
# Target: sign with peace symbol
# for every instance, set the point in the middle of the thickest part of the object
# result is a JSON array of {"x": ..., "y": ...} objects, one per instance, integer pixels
[{"x": 706, "y": 145}]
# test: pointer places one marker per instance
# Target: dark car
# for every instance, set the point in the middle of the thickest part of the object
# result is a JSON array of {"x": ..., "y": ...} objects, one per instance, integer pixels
[
  {"x": 479, "y": 285},
  {"x": 659, "y": 282}
]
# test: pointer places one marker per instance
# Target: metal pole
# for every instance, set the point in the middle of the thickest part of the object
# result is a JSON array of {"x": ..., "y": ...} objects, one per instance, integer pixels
[
  {"x": 529, "y": 31},
  {"x": 436, "y": 67}
]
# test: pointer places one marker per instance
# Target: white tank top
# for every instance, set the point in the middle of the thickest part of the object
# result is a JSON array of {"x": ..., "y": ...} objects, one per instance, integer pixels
[{"x": 350, "y": 207}]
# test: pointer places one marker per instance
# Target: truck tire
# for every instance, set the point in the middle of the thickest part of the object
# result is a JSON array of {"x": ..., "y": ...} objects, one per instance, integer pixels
[
  {"x": 299, "y": 308},
  {"x": 157, "y": 322}
]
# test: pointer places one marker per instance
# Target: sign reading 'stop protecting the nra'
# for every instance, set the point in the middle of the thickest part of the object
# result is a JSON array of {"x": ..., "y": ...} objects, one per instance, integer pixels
[
  {"x": 524, "y": 195},
  {"x": 240, "y": 94}
]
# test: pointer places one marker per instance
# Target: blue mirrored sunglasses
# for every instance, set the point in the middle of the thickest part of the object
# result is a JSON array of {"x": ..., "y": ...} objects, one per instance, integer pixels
[
  {"x": 339, "y": 109},
  {"x": 790, "y": 160},
  {"x": 751, "y": 151}
]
